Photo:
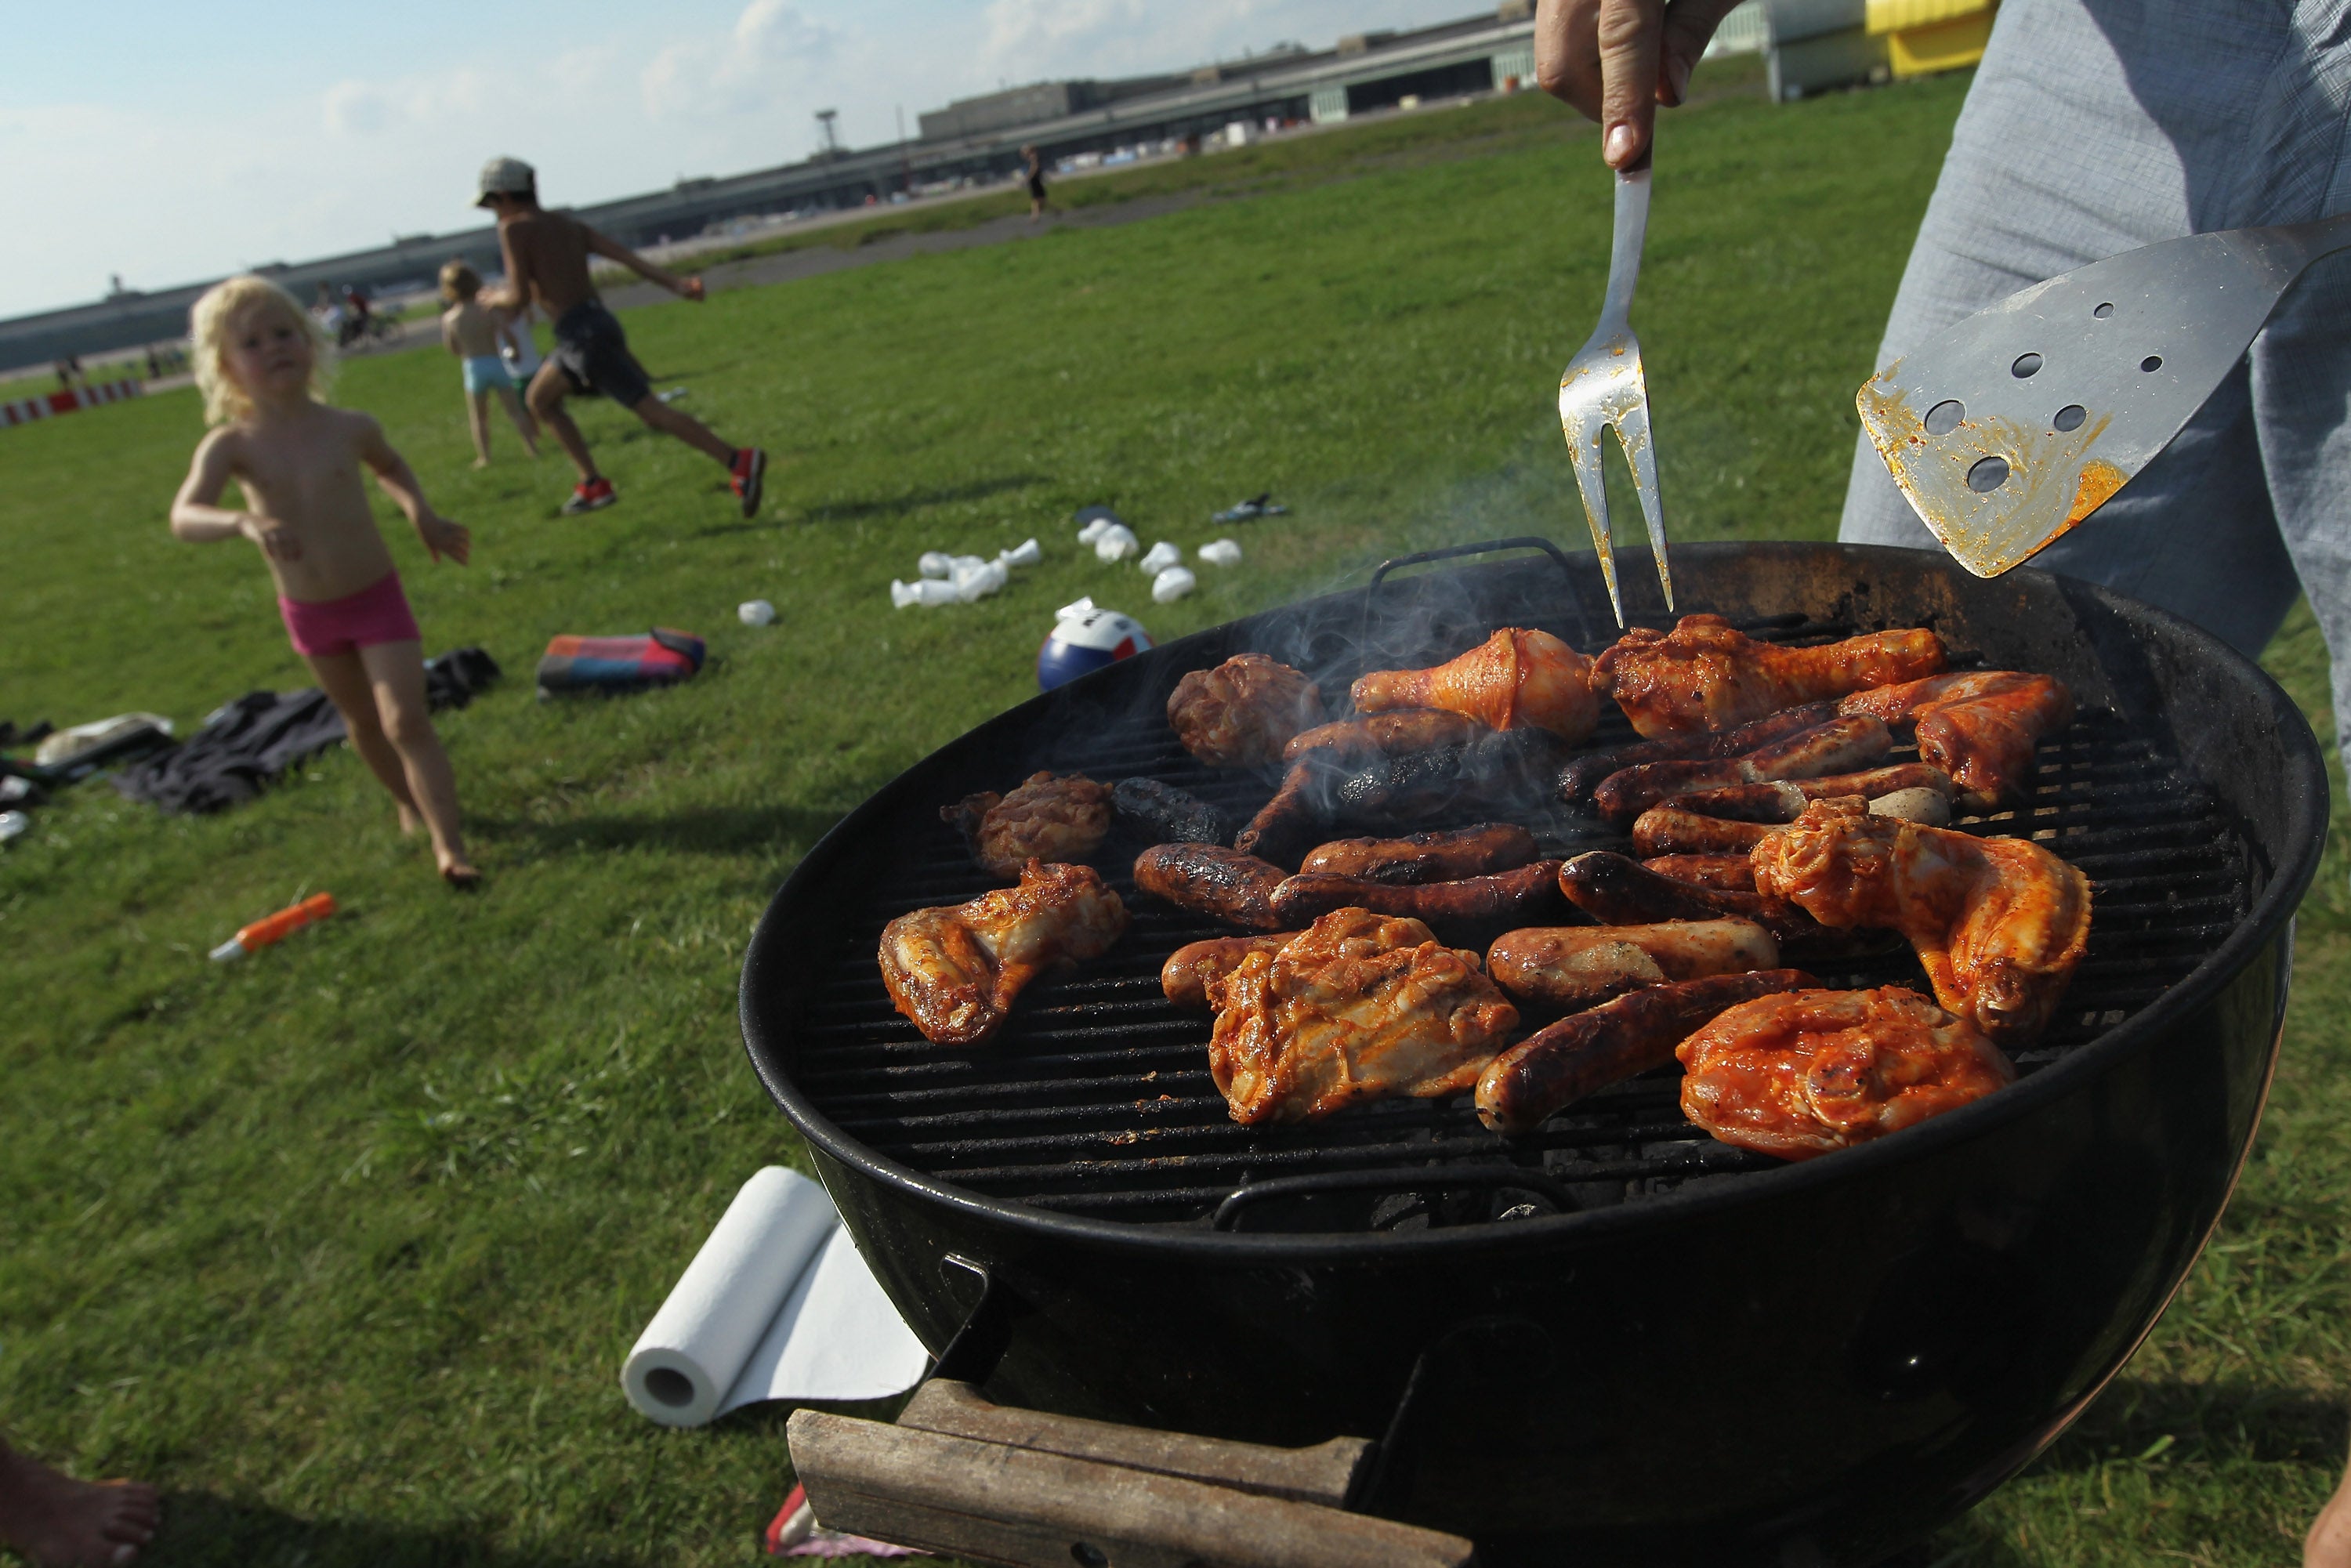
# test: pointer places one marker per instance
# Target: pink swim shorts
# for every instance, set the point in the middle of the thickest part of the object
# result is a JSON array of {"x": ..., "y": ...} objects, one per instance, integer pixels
[{"x": 376, "y": 613}]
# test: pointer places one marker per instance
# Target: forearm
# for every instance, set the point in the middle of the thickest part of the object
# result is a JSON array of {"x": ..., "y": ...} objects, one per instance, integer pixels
[
  {"x": 398, "y": 482},
  {"x": 194, "y": 523}
]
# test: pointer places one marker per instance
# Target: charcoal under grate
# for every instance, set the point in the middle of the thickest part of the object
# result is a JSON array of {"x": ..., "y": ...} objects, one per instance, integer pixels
[{"x": 1095, "y": 1097}]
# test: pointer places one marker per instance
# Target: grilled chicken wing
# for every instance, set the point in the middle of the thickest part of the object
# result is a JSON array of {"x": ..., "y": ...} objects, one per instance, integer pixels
[
  {"x": 1241, "y": 713},
  {"x": 1192, "y": 969},
  {"x": 1049, "y": 818},
  {"x": 1809, "y": 1072},
  {"x": 1587, "y": 1051},
  {"x": 1982, "y": 726},
  {"x": 1579, "y": 966},
  {"x": 1426, "y": 857},
  {"x": 1999, "y": 924},
  {"x": 1357, "y": 1008},
  {"x": 1515, "y": 679},
  {"x": 956, "y": 970},
  {"x": 1210, "y": 879},
  {"x": 1579, "y": 778},
  {"x": 1839, "y": 746},
  {"x": 1707, "y": 674}
]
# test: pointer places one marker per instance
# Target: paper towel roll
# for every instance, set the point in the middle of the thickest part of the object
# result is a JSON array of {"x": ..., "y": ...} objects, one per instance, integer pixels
[{"x": 697, "y": 1344}]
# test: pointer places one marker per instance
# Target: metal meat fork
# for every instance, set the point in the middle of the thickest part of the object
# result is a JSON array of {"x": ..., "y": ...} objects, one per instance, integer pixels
[{"x": 1602, "y": 385}]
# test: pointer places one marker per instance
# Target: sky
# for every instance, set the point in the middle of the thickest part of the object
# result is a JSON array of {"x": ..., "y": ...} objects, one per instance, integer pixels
[{"x": 172, "y": 142}]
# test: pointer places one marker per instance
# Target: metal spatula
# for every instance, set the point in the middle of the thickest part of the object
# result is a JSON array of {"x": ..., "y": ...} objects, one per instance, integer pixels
[{"x": 2022, "y": 420}]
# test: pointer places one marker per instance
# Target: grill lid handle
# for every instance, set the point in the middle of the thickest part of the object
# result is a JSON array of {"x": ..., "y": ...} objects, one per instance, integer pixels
[{"x": 1454, "y": 552}]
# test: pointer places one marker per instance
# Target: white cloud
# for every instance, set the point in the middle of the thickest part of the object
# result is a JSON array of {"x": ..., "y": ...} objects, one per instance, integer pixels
[{"x": 772, "y": 46}]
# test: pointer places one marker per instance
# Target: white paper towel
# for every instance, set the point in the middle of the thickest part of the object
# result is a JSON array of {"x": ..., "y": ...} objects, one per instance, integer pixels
[{"x": 776, "y": 1306}]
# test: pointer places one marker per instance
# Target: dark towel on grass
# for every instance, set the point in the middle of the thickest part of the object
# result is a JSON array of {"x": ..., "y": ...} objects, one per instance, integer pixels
[{"x": 247, "y": 744}]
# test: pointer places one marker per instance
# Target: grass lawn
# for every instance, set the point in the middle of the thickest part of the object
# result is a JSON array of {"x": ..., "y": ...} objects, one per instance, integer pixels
[{"x": 344, "y": 1245}]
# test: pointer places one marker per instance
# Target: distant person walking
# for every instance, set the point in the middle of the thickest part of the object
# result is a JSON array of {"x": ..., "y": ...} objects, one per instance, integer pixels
[
  {"x": 547, "y": 263},
  {"x": 1033, "y": 169},
  {"x": 474, "y": 334}
]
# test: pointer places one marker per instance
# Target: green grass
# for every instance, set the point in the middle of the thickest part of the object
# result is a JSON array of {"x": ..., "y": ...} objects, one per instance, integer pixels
[{"x": 344, "y": 1245}]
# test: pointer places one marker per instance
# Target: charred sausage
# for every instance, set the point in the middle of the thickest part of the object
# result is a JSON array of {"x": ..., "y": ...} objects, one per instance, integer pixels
[
  {"x": 1192, "y": 969},
  {"x": 1671, "y": 830},
  {"x": 1783, "y": 800},
  {"x": 1840, "y": 746},
  {"x": 1210, "y": 879},
  {"x": 1383, "y": 735},
  {"x": 1577, "y": 966},
  {"x": 1506, "y": 895},
  {"x": 1426, "y": 857},
  {"x": 1581, "y": 777},
  {"x": 1169, "y": 815},
  {"x": 1557, "y": 1066}
]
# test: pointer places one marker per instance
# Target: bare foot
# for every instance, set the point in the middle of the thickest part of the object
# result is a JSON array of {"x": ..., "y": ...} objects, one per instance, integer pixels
[
  {"x": 460, "y": 872},
  {"x": 481, "y": 462},
  {"x": 57, "y": 1521},
  {"x": 2328, "y": 1544}
]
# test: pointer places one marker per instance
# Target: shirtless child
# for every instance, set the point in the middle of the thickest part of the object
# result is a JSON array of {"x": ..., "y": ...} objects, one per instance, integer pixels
[
  {"x": 261, "y": 365},
  {"x": 547, "y": 262},
  {"x": 478, "y": 337}
]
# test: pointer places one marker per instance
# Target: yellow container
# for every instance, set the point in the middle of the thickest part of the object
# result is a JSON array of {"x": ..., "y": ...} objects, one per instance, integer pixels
[{"x": 1923, "y": 36}]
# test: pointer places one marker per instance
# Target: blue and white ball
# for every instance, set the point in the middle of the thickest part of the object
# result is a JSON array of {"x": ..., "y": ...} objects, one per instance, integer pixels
[{"x": 1086, "y": 639}]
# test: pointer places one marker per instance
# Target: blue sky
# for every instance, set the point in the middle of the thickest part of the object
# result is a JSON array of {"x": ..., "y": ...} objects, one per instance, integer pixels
[{"x": 171, "y": 141}]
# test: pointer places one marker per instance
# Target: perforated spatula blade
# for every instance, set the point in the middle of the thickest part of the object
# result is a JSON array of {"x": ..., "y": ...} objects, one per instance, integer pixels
[{"x": 2016, "y": 425}]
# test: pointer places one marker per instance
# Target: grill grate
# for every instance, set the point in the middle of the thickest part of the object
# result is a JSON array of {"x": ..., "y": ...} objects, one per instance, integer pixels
[{"x": 1095, "y": 1098}]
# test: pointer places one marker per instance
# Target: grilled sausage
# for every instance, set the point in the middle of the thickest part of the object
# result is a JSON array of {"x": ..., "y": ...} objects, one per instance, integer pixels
[
  {"x": 1581, "y": 777},
  {"x": 1506, "y": 895},
  {"x": 1167, "y": 813},
  {"x": 1557, "y": 1066},
  {"x": 1426, "y": 857},
  {"x": 1783, "y": 800},
  {"x": 1671, "y": 830},
  {"x": 1577, "y": 966},
  {"x": 1616, "y": 891},
  {"x": 1840, "y": 746},
  {"x": 1210, "y": 879},
  {"x": 1192, "y": 969},
  {"x": 1383, "y": 735},
  {"x": 1724, "y": 874},
  {"x": 1501, "y": 773}
]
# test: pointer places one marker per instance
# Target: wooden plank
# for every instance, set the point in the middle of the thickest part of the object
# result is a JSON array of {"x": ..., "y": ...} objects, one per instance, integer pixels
[
  {"x": 997, "y": 1503},
  {"x": 1322, "y": 1474}
]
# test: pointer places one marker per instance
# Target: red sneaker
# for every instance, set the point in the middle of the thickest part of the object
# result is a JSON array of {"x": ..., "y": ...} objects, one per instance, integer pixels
[
  {"x": 593, "y": 496},
  {"x": 750, "y": 472}
]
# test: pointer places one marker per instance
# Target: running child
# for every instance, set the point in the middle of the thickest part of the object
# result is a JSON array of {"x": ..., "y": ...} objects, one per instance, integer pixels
[
  {"x": 479, "y": 338},
  {"x": 262, "y": 364},
  {"x": 547, "y": 262}
]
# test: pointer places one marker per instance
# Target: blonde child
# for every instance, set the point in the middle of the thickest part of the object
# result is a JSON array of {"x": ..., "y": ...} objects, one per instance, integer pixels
[
  {"x": 477, "y": 336},
  {"x": 262, "y": 364}
]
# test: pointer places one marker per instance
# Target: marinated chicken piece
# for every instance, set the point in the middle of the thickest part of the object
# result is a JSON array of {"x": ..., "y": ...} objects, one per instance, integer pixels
[
  {"x": 1049, "y": 818},
  {"x": 1518, "y": 895},
  {"x": 1167, "y": 814},
  {"x": 1426, "y": 857},
  {"x": 1723, "y": 874},
  {"x": 1573, "y": 967},
  {"x": 1585, "y": 1052},
  {"x": 1348, "y": 741},
  {"x": 1579, "y": 778},
  {"x": 956, "y": 970},
  {"x": 1241, "y": 713},
  {"x": 1515, "y": 679},
  {"x": 1705, "y": 673},
  {"x": 1999, "y": 924},
  {"x": 1982, "y": 726},
  {"x": 1193, "y": 967},
  {"x": 1357, "y": 1008},
  {"x": 1840, "y": 746},
  {"x": 1809, "y": 1072},
  {"x": 1210, "y": 879},
  {"x": 1784, "y": 800}
]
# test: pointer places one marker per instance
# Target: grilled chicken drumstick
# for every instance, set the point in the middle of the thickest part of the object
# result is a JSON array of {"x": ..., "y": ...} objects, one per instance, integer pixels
[
  {"x": 1515, "y": 679},
  {"x": 1241, "y": 713},
  {"x": 1707, "y": 674},
  {"x": 1210, "y": 879},
  {"x": 1809, "y": 1072},
  {"x": 1356, "y": 1007},
  {"x": 1505, "y": 896},
  {"x": 1840, "y": 746},
  {"x": 1426, "y": 857},
  {"x": 1579, "y": 778},
  {"x": 1193, "y": 967},
  {"x": 1575, "y": 966},
  {"x": 1983, "y": 728},
  {"x": 1585, "y": 1052},
  {"x": 1999, "y": 924},
  {"x": 956, "y": 970},
  {"x": 1049, "y": 818}
]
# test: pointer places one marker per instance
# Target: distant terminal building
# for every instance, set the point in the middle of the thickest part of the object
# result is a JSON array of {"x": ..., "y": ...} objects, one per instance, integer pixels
[{"x": 971, "y": 140}]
